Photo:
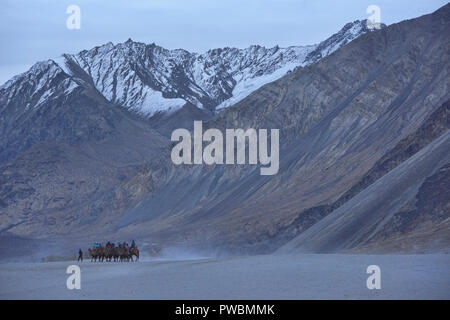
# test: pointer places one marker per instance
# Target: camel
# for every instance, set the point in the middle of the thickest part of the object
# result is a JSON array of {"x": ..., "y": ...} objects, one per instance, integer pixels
[
  {"x": 134, "y": 252},
  {"x": 101, "y": 253},
  {"x": 95, "y": 254},
  {"x": 91, "y": 253},
  {"x": 124, "y": 254},
  {"x": 116, "y": 253},
  {"x": 109, "y": 254}
]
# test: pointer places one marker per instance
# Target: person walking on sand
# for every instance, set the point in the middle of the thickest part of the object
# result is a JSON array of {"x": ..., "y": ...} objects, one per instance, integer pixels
[{"x": 80, "y": 255}]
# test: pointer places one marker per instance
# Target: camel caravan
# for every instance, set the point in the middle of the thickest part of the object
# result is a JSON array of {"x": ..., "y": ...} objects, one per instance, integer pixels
[{"x": 111, "y": 252}]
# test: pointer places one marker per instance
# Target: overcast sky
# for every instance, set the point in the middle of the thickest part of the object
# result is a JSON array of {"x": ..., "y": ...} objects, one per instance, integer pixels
[{"x": 35, "y": 30}]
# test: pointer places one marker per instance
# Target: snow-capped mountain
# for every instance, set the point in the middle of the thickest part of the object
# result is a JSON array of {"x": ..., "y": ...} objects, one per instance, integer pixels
[
  {"x": 148, "y": 79},
  {"x": 349, "y": 32},
  {"x": 45, "y": 80},
  {"x": 365, "y": 127}
]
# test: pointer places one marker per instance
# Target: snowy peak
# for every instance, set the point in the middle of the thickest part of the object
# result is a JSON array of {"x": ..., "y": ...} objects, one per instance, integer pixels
[
  {"x": 45, "y": 80},
  {"x": 149, "y": 79},
  {"x": 132, "y": 75},
  {"x": 348, "y": 33},
  {"x": 40, "y": 72}
]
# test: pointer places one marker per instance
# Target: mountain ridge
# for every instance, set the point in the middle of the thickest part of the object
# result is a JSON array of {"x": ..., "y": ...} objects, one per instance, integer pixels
[
  {"x": 148, "y": 79},
  {"x": 338, "y": 117}
]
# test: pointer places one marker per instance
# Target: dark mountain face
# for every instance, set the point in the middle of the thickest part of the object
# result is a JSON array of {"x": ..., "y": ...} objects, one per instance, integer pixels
[
  {"x": 77, "y": 165},
  {"x": 338, "y": 118},
  {"x": 62, "y": 145},
  {"x": 46, "y": 104},
  {"x": 422, "y": 225},
  {"x": 436, "y": 125},
  {"x": 392, "y": 202}
]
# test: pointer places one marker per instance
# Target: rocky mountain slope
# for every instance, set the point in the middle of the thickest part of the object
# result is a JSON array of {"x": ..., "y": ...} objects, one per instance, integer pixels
[
  {"x": 345, "y": 122},
  {"x": 339, "y": 118},
  {"x": 436, "y": 125},
  {"x": 409, "y": 198},
  {"x": 68, "y": 135},
  {"x": 62, "y": 145},
  {"x": 145, "y": 79}
]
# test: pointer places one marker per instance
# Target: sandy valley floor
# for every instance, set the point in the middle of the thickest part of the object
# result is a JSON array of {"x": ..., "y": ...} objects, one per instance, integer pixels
[{"x": 253, "y": 277}]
